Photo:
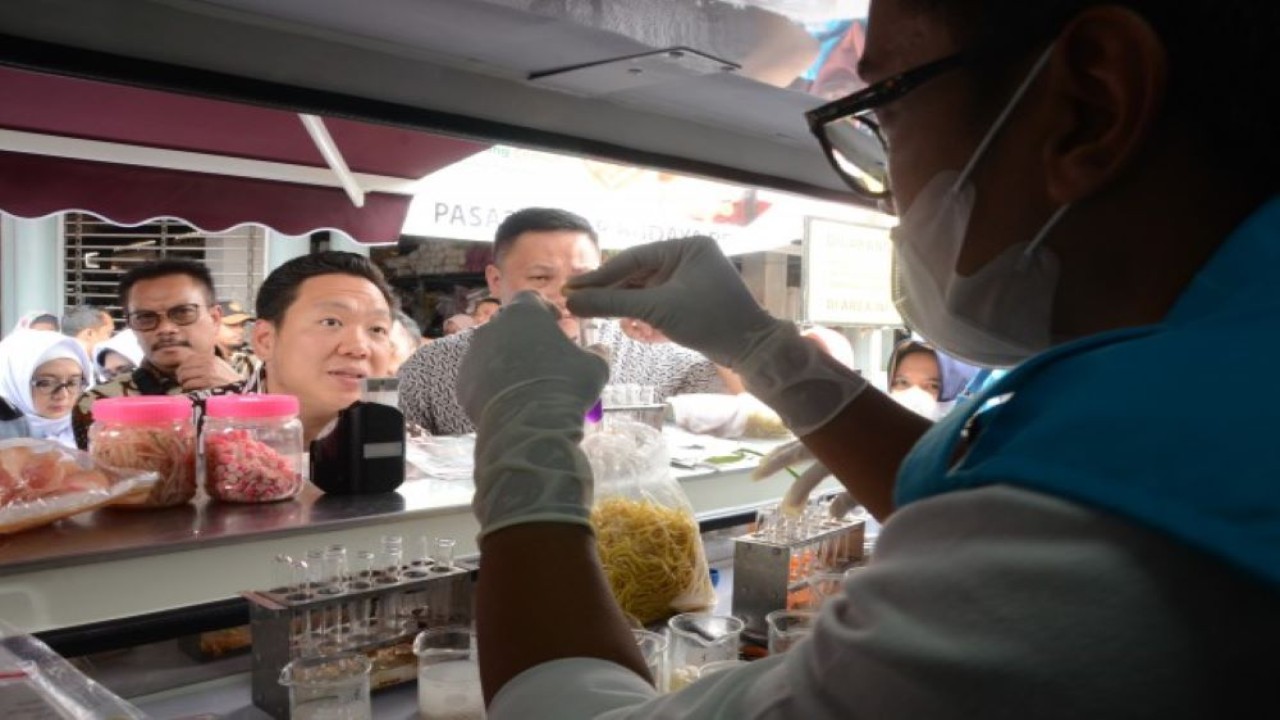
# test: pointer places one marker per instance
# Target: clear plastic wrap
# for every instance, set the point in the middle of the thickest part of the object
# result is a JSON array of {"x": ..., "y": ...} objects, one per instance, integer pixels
[
  {"x": 37, "y": 684},
  {"x": 645, "y": 527},
  {"x": 42, "y": 481}
]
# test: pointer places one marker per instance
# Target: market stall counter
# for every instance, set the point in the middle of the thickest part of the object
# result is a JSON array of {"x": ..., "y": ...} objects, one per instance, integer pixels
[{"x": 115, "y": 563}]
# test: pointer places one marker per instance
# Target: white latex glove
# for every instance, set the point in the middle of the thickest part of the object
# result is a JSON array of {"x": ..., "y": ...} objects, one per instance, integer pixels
[
  {"x": 527, "y": 388},
  {"x": 690, "y": 292},
  {"x": 793, "y": 502}
]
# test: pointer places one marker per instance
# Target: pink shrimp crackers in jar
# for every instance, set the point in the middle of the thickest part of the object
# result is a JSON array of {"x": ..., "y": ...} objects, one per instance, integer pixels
[
  {"x": 148, "y": 432},
  {"x": 252, "y": 448}
]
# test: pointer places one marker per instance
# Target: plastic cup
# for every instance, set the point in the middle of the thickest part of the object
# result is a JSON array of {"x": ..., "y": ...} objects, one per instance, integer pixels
[{"x": 788, "y": 627}]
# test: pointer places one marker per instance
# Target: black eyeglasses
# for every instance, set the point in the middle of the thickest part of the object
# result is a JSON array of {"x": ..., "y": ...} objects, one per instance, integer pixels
[
  {"x": 113, "y": 374},
  {"x": 50, "y": 387},
  {"x": 144, "y": 320},
  {"x": 850, "y": 136}
]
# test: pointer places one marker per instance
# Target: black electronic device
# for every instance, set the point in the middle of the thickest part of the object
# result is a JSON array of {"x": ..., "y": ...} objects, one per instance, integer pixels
[{"x": 363, "y": 451}]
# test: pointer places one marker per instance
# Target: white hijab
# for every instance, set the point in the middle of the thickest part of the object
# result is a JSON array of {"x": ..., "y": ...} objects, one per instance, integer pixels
[
  {"x": 20, "y": 354},
  {"x": 24, "y": 322},
  {"x": 124, "y": 342}
]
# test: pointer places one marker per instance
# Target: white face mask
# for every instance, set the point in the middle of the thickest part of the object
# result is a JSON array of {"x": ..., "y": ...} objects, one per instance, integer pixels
[
  {"x": 1001, "y": 314},
  {"x": 919, "y": 401}
]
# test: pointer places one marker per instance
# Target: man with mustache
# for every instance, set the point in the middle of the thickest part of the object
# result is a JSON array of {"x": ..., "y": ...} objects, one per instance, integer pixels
[{"x": 170, "y": 306}]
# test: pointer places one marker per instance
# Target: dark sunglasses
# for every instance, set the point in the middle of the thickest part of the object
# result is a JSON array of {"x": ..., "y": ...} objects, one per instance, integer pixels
[{"x": 144, "y": 320}]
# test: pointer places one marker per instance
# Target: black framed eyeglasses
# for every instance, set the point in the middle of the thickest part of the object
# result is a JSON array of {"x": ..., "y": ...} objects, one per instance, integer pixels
[
  {"x": 50, "y": 387},
  {"x": 144, "y": 320},
  {"x": 850, "y": 136}
]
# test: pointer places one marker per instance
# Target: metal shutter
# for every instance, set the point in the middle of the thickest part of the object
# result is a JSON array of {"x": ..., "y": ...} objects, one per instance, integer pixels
[{"x": 97, "y": 253}]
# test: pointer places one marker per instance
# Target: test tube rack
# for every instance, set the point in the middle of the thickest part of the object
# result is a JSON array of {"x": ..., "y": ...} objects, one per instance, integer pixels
[
  {"x": 772, "y": 566},
  {"x": 287, "y": 623}
]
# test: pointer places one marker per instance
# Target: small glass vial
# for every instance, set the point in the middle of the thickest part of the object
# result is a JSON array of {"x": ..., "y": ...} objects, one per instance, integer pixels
[
  {"x": 252, "y": 448},
  {"x": 152, "y": 433}
]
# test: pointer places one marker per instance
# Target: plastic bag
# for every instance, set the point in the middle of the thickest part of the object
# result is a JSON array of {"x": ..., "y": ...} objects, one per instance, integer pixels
[
  {"x": 646, "y": 532},
  {"x": 42, "y": 481},
  {"x": 37, "y": 684}
]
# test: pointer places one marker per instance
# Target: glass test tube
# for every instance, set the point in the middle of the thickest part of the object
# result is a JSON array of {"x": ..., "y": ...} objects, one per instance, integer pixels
[
  {"x": 361, "y": 610},
  {"x": 392, "y": 558},
  {"x": 443, "y": 555},
  {"x": 281, "y": 574},
  {"x": 338, "y": 578}
]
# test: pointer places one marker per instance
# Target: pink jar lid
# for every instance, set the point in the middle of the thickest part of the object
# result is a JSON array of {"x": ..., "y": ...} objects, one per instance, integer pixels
[
  {"x": 142, "y": 409},
  {"x": 252, "y": 405}
]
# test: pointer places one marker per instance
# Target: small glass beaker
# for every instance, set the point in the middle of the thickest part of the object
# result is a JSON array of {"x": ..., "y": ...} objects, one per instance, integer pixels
[
  {"x": 448, "y": 675},
  {"x": 823, "y": 585},
  {"x": 788, "y": 627},
  {"x": 698, "y": 639},
  {"x": 653, "y": 647},
  {"x": 328, "y": 687}
]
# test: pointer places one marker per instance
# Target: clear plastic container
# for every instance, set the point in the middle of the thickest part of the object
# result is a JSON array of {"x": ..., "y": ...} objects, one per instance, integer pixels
[
  {"x": 148, "y": 432},
  {"x": 252, "y": 448}
]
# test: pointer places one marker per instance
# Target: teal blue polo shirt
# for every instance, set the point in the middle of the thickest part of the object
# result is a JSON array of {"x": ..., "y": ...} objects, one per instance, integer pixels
[{"x": 1172, "y": 426}]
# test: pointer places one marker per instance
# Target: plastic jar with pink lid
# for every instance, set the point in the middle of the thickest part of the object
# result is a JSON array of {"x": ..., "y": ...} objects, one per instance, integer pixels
[
  {"x": 252, "y": 448},
  {"x": 148, "y": 432}
]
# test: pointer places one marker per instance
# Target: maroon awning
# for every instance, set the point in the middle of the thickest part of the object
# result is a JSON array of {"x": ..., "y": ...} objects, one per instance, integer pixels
[{"x": 68, "y": 144}]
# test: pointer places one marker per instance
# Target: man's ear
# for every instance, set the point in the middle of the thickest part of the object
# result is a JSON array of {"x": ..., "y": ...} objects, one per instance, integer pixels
[
  {"x": 493, "y": 276},
  {"x": 1109, "y": 77},
  {"x": 263, "y": 339}
]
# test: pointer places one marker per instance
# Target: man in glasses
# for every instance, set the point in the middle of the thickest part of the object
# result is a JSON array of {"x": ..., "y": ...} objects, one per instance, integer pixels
[
  {"x": 169, "y": 305},
  {"x": 1088, "y": 192}
]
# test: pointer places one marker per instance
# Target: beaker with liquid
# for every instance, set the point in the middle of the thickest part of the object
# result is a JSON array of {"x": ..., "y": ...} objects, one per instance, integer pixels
[
  {"x": 448, "y": 675},
  {"x": 698, "y": 639},
  {"x": 328, "y": 687}
]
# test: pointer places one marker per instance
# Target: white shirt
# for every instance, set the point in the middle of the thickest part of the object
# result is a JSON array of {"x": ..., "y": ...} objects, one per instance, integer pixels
[{"x": 989, "y": 603}]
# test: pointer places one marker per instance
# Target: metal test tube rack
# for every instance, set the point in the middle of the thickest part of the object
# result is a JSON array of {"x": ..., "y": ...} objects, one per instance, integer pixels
[
  {"x": 287, "y": 623},
  {"x": 771, "y": 567}
]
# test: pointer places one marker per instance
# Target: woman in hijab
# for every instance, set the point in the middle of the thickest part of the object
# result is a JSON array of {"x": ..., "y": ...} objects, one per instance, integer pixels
[
  {"x": 38, "y": 320},
  {"x": 42, "y": 375},
  {"x": 118, "y": 355},
  {"x": 925, "y": 380}
]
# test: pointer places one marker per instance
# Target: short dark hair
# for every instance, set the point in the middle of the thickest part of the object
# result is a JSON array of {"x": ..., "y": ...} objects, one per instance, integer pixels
[
  {"x": 484, "y": 300},
  {"x": 163, "y": 268},
  {"x": 79, "y": 318},
  {"x": 280, "y": 288},
  {"x": 1221, "y": 56},
  {"x": 538, "y": 219}
]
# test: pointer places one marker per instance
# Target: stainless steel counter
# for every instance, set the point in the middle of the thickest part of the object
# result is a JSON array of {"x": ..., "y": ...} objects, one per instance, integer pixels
[{"x": 113, "y": 563}]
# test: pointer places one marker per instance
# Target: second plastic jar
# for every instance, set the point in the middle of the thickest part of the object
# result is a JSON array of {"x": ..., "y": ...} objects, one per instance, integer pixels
[
  {"x": 148, "y": 432},
  {"x": 252, "y": 448}
]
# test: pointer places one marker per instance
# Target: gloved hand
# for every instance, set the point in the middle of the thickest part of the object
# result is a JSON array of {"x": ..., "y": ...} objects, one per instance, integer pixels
[
  {"x": 527, "y": 388},
  {"x": 793, "y": 502},
  {"x": 690, "y": 292}
]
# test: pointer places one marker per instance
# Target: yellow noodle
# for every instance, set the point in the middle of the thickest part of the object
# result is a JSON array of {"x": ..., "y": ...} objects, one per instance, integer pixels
[{"x": 650, "y": 554}]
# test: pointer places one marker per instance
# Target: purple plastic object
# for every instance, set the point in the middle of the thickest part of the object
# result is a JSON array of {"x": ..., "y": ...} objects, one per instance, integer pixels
[{"x": 596, "y": 413}]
